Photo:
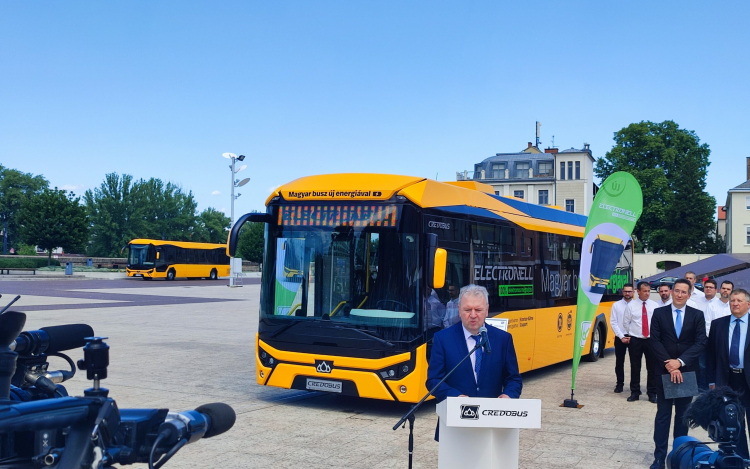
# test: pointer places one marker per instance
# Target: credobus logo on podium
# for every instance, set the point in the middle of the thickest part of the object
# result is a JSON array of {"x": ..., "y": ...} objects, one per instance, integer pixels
[{"x": 470, "y": 412}]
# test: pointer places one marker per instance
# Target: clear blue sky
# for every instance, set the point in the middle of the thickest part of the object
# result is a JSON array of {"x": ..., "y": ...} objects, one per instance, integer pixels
[{"x": 424, "y": 88}]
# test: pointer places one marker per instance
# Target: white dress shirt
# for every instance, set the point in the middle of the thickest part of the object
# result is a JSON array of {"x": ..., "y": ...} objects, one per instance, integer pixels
[
  {"x": 633, "y": 318},
  {"x": 664, "y": 303},
  {"x": 470, "y": 344},
  {"x": 696, "y": 295},
  {"x": 451, "y": 313},
  {"x": 616, "y": 316},
  {"x": 716, "y": 309}
]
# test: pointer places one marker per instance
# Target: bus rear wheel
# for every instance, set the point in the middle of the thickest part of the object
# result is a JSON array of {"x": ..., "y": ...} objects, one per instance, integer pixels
[
  {"x": 171, "y": 274},
  {"x": 596, "y": 344},
  {"x": 214, "y": 275}
]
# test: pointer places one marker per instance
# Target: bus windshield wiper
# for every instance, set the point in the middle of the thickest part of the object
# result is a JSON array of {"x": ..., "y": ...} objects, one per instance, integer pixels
[
  {"x": 292, "y": 324},
  {"x": 368, "y": 334}
]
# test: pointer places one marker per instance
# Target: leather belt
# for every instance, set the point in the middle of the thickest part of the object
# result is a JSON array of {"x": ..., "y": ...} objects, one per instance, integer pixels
[{"x": 737, "y": 370}]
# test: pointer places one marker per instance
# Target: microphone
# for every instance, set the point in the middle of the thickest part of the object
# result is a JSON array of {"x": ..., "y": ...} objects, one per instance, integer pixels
[
  {"x": 204, "y": 422},
  {"x": 52, "y": 339},
  {"x": 485, "y": 340}
]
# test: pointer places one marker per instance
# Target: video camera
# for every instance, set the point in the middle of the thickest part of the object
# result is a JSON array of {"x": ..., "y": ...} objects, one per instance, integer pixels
[
  {"x": 720, "y": 413},
  {"x": 42, "y": 427}
]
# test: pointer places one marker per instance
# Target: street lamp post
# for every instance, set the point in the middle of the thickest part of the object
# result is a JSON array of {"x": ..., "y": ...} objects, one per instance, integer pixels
[{"x": 235, "y": 183}]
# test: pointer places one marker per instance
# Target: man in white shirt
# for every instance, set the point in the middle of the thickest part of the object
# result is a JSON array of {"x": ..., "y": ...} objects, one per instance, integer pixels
[
  {"x": 636, "y": 324},
  {"x": 719, "y": 307},
  {"x": 702, "y": 303},
  {"x": 695, "y": 294},
  {"x": 615, "y": 321},
  {"x": 665, "y": 295},
  {"x": 451, "y": 308}
]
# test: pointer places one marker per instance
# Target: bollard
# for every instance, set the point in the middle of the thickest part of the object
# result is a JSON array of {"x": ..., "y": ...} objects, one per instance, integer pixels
[
  {"x": 89, "y": 262},
  {"x": 68, "y": 268}
]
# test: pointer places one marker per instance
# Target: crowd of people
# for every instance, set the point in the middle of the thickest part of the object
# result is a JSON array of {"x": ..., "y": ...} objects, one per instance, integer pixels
[{"x": 686, "y": 330}]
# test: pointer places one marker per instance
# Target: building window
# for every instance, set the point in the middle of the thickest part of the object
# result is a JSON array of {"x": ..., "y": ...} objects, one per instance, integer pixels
[
  {"x": 570, "y": 205},
  {"x": 544, "y": 197},
  {"x": 562, "y": 170},
  {"x": 578, "y": 170},
  {"x": 546, "y": 169},
  {"x": 570, "y": 170},
  {"x": 522, "y": 170},
  {"x": 747, "y": 202},
  {"x": 747, "y": 235},
  {"x": 498, "y": 170},
  {"x": 518, "y": 194},
  {"x": 497, "y": 192}
]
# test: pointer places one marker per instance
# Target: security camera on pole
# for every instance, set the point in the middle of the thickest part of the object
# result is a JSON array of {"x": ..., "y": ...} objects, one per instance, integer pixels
[{"x": 235, "y": 183}]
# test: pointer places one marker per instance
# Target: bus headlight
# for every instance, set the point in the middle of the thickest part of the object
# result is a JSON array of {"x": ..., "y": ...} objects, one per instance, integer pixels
[
  {"x": 266, "y": 359},
  {"x": 397, "y": 371}
]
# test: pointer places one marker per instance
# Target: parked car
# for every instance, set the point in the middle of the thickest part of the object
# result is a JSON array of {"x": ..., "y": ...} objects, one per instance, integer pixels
[{"x": 654, "y": 284}]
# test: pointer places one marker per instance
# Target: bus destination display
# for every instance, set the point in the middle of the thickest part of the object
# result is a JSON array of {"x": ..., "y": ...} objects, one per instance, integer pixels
[{"x": 339, "y": 215}]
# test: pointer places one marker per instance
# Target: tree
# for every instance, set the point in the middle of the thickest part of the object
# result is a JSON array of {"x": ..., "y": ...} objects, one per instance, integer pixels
[
  {"x": 671, "y": 166},
  {"x": 116, "y": 214},
  {"x": 213, "y": 226},
  {"x": 169, "y": 213},
  {"x": 54, "y": 219},
  {"x": 250, "y": 242},
  {"x": 15, "y": 188}
]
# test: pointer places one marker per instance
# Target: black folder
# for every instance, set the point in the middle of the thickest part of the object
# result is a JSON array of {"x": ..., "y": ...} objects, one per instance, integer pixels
[{"x": 688, "y": 387}]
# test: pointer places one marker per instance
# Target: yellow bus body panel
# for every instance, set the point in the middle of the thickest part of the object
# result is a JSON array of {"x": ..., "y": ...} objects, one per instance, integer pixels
[{"x": 184, "y": 270}]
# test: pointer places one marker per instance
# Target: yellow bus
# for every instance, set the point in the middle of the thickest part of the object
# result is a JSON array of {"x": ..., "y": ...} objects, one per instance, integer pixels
[
  {"x": 361, "y": 270},
  {"x": 155, "y": 258}
]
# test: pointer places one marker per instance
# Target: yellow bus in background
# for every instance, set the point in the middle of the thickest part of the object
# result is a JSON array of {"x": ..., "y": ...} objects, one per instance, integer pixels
[
  {"x": 361, "y": 270},
  {"x": 154, "y": 258}
]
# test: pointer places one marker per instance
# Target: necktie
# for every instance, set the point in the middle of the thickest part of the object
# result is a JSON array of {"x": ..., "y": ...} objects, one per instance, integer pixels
[
  {"x": 734, "y": 349},
  {"x": 678, "y": 323},
  {"x": 477, "y": 355},
  {"x": 644, "y": 321}
]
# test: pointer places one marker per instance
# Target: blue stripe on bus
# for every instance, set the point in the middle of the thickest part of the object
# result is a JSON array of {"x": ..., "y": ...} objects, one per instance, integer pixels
[
  {"x": 544, "y": 213},
  {"x": 466, "y": 210}
]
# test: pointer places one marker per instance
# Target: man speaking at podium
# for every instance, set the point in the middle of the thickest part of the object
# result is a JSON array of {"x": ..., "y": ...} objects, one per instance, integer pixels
[{"x": 491, "y": 372}]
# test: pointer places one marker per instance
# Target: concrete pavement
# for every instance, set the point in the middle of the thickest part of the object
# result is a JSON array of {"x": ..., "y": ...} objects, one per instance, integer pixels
[{"x": 183, "y": 344}]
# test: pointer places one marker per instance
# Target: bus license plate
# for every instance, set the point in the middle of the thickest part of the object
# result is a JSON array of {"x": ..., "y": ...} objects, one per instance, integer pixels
[{"x": 326, "y": 386}]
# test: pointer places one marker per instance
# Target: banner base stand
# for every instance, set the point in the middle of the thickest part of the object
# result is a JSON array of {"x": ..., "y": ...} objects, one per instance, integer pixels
[{"x": 571, "y": 403}]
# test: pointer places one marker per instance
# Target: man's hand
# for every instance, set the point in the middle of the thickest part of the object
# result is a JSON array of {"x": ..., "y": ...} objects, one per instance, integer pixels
[
  {"x": 676, "y": 376},
  {"x": 672, "y": 365},
  {"x": 711, "y": 387},
  {"x": 625, "y": 340},
  {"x": 503, "y": 396},
  {"x": 462, "y": 395}
]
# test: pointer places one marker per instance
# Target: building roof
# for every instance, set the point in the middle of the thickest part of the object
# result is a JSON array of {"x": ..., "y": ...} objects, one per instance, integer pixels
[
  {"x": 520, "y": 156},
  {"x": 722, "y": 215},
  {"x": 745, "y": 186},
  {"x": 714, "y": 266}
]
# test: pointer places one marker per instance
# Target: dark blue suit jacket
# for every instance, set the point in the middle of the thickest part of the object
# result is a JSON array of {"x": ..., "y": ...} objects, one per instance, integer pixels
[{"x": 498, "y": 373}]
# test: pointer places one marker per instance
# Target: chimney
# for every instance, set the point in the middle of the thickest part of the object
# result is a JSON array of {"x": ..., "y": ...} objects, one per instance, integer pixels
[
  {"x": 585, "y": 146},
  {"x": 748, "y": 168},
  {"x": 550, "y": 150},
  {"x": 531, "y": 145}
]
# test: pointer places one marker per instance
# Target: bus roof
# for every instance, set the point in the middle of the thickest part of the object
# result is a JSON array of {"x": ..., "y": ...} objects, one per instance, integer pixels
[
  {"x": 463, "y": 197},
  {"x": 182, "y": 244}
]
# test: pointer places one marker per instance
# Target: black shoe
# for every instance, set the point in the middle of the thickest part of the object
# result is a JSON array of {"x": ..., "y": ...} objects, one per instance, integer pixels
[
  {"x": 618, "y": 388},
  {"x": 657, "y": 465},
  {"x": 633, "y": 397},
  {"x": 652, "y": 399}
]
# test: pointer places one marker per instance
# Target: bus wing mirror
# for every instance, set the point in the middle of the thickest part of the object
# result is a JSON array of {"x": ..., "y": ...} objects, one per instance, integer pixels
[
  {"x": 234, "y": 233},
  {"x": 438, "y": 275}
]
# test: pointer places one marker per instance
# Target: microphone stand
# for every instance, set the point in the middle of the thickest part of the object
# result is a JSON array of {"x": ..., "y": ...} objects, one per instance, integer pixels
[{"x": 410, "y": 415}]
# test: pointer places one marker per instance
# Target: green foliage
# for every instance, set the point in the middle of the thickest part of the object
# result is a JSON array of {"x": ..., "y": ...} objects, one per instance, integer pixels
[
  {"x": 26, "y": 250},
  {"x": 662, "y": 265},
  {"x": 250, "y": 242},
  {"x": 122, "y": 209},
  {"x": 116, "y": 214},
  {"x": 213, "y": 226},
  {"x": 54, "y": 219},
  {"x": 671, "y": 166},
  {"x": 15, "y": 188},
  {"x": 25, "y": 262}
]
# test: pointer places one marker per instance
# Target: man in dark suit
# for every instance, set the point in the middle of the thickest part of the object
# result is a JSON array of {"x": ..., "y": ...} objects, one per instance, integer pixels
[
  {"x": 678, "y": 337},
  {"x": 728, "y": 354},
  {"x": 484, "y": 375}
]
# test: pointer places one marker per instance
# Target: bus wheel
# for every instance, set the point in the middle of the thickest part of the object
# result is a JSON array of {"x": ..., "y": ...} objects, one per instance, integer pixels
[
  {"x": 214, "y": 274},
  {"x": 596, "y": 344},
  {"x": 171, "y": 274}
]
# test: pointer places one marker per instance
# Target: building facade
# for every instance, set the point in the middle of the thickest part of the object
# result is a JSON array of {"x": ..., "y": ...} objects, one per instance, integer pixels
[
  {"x": 737, "y": 210},
  {"x": 551, "y": 177}
]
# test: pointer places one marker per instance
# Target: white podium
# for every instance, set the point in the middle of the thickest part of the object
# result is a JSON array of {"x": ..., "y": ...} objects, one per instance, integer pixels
[{"x": 483, "y": 433}]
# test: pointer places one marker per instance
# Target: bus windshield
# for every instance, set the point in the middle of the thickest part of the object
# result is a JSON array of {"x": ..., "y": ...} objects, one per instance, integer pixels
[
  {"x": 141, "y": 255},
  {"x": 363, "y": 277}
]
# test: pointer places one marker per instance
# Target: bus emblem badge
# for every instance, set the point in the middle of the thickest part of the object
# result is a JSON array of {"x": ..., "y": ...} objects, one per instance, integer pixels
[{"x": 322, "y": 366}]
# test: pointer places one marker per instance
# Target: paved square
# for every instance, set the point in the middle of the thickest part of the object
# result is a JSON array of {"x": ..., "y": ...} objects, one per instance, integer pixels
[{"x": 183, "y": 344}]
